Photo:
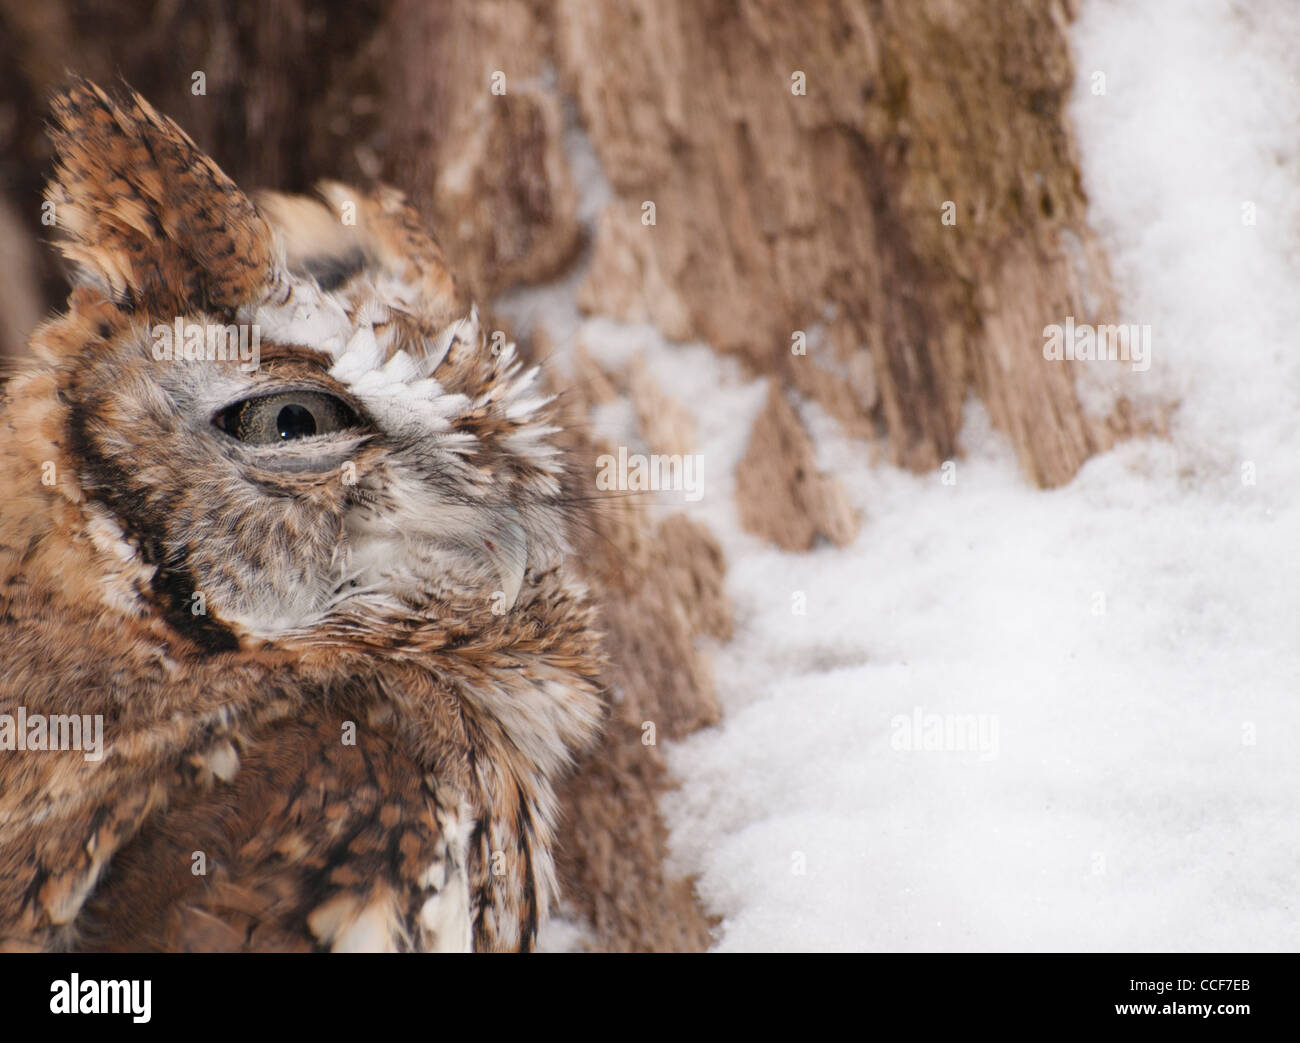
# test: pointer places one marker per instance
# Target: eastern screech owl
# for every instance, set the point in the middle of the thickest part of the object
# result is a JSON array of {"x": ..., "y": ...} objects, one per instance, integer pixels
[{"x": 315, "y": 593}]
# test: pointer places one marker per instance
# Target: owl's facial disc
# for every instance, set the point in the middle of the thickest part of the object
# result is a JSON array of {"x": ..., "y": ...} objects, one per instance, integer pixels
[
  {"x": 371, "y": 455},
  {"x": 364, "y": 468},
  {"x": 415, "y": 516}
]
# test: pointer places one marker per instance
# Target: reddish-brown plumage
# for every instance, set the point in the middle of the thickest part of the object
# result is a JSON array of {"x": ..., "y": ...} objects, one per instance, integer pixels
[{"x": 231, "y": 610}]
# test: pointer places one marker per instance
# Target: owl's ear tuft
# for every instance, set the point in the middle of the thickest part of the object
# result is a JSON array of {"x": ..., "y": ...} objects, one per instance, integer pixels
[
  {"x": 145, "y": 215},
  {"x": 345, "y": 231}
]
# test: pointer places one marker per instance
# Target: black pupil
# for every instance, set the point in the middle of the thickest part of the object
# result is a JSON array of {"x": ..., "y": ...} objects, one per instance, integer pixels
[{"x": 295, "y": 421}]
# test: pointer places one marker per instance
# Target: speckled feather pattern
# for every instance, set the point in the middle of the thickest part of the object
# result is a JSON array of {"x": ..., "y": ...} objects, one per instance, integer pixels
[{"x": 405, "y": 582}]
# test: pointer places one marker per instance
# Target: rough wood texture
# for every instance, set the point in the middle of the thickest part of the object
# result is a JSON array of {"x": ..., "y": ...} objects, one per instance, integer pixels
[
  {"x": 780, "y": 493},
  {"x": 660, "y": 588},
  {"x": 776, "y": 213}
]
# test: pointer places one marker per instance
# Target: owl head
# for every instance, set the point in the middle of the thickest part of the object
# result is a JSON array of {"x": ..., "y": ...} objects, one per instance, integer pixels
[{"x": 281, "y": 405}]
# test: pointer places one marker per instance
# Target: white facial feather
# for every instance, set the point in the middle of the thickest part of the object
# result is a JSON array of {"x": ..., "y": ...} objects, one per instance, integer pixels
[{"x": 420, "y": 530}]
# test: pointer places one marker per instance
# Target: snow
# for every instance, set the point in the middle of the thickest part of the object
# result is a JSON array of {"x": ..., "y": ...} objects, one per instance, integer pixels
[{"x": 1129, "y": 644}]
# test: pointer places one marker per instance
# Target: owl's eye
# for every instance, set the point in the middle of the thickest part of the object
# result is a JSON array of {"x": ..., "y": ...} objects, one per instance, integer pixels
[{"x": 285, "y": 416}]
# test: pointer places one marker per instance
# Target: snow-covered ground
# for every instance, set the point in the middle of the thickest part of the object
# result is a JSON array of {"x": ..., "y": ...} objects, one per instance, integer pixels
[{"x": 1125, "y": 650}]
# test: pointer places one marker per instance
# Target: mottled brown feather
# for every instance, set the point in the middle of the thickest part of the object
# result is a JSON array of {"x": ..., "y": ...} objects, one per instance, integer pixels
[{"x": 225, "y": 737}]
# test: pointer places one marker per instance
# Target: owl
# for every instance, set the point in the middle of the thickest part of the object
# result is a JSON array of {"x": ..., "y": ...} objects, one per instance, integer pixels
[{"x": 293, "y": 649}]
